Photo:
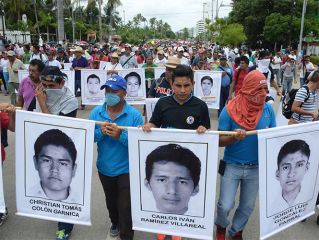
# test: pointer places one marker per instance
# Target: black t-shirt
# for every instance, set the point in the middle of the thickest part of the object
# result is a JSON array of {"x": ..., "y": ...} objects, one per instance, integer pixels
[
  {"x": 70, "y": 114},
  {"x": 170, "y": 114},
  {"x": 159, "y": 88}
]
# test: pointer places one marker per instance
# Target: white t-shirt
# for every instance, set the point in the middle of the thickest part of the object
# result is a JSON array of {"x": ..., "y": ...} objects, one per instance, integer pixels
[
  {"x": 4, "y": 64},
  {"x": 54, "y": 63},
  {"x": 309, "y": 68},
  {"x": 277, "y": 61}
]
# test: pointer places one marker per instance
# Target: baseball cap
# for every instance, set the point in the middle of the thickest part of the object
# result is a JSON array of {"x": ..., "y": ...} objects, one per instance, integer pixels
[
  {"x": 115, "y": 82},
  {"x": 11, "y": 53},
  {"x": 52, "y": 73},
  {"x": 223, "y": 57}
]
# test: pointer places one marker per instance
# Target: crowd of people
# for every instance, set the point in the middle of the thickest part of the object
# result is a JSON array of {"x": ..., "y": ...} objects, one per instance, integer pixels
[{"x": 245, "y": 104}]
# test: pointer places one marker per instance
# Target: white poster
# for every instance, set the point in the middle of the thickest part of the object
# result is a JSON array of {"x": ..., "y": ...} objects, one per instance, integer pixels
[
  {"x": 136, "y": 91},
  {"x": 159, "y": 72},
  {"x": 2, "y": 203},
  {"x": 70, "y": 82},
  {"x": 91, "y": 82},
  {"x": 67, "y": 66},
  {"x": 281, "y": 120},
  {"x": 173, "y": 174},
  {"x": 288, "y": 175},
  {"x": 22, "y": 74},
  {"x": 103, "y": 65},
  {"x": 150, "y": 106},
  {"x": 207, "y": 87},
  {"x": 54, "y": 167}
]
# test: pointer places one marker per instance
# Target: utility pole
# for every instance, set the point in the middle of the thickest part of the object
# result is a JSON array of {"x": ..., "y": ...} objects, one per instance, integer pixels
[
  {"x": 60, "y": 20},
  {"x": 100, "y": 20},
  {"x": 304, "y": 7},
  {"x": 212, "y": 11},
  {"x": 36, "y": 16},
  {"x": 216, "y": 9}
]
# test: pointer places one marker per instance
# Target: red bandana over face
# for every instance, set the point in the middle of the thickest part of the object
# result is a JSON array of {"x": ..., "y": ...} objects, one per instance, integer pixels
[{"x": 247, "y": 107}]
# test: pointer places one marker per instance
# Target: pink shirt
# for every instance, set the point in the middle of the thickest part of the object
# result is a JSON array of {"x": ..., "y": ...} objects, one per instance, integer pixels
[{"x": 26, "y": 91}]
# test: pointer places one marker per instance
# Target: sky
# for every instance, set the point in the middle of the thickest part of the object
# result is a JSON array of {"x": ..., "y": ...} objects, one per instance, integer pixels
[{"x": 177, "y": 13}]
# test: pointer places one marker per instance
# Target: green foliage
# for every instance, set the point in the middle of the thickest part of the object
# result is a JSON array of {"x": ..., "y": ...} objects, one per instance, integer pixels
[
  {"x": 315, "y": 60},
  {"x": 232, "y": 34}
]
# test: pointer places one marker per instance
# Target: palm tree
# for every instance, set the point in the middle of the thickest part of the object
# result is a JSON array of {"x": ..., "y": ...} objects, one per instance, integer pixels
[
  {"x": 111, "y": 6},
  {"x": 60, "y": 16},
  {"x": 46, "y": 20}
]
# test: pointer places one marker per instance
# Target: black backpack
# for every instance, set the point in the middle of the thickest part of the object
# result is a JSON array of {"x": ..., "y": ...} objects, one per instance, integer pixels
[{"x": 288, "y": 100}]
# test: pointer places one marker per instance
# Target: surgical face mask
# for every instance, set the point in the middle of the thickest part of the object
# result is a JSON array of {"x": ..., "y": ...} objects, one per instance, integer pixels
[
  {"x": 111, "y": 99},
  {"x": 263, "y": 65}
]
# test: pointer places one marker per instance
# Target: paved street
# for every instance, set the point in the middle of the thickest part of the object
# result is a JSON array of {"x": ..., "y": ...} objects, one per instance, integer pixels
[{"x": 17, "y": 227}]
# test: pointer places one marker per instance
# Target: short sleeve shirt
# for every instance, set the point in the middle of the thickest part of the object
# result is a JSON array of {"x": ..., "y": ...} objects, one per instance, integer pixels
[
  {"x": 81, "y": 62},
  {"x": 308, "y": 105}
]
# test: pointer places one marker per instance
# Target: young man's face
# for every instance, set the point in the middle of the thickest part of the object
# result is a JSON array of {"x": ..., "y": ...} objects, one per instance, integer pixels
[
  {"x": 93, "y": 85},
  {"x": 291, "y": 171},
  {"x": 34, "y": 73},
  {"x": 132, "y": 86},
  {"x": 55, "y": 168},
  {"x": 206, "y": 87},
  {"x": 172, "y": 187},
  {"x": 182, "y": 87}
]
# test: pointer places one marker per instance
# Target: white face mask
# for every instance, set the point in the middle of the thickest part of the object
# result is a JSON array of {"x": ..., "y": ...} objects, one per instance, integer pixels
[{"x": 263, "y": 65}]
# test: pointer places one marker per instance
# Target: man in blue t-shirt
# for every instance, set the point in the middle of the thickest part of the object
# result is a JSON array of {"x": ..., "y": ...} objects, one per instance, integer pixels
[
  {"x": 248, "y": 111},
  {"x": 78, "y": 63}
]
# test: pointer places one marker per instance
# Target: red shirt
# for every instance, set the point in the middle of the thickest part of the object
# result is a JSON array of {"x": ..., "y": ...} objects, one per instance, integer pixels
[{"x": 240, "y": 79}]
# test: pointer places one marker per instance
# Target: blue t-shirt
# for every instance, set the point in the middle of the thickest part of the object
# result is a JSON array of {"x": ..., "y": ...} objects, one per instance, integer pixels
[
  {"x": 246, "y": 150},
  {"x": 112, "y": 159},
  {"x": 81, "y": 62}
]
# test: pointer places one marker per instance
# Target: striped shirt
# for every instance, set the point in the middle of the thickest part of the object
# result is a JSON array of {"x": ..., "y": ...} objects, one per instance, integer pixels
[{"x": 308, "y": 106}]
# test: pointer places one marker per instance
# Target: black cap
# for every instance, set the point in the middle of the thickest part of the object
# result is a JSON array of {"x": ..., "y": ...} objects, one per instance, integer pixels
[{"x": 52, "y": 73}]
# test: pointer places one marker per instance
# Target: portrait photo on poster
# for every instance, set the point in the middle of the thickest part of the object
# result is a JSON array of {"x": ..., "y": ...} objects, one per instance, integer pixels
[
  {"x": 292, "y": 171},
  {"x": 91, "y": 83},
  {"x": 134, "y": 85},
  {"x": 173, "y": 177},
  {"x": 54, "y": 162}
]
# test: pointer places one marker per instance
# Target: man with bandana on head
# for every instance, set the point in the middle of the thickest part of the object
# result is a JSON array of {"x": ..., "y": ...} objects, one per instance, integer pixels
[
  {"x": 247, "y": 111},
  {"x": 112, "y": 161}
]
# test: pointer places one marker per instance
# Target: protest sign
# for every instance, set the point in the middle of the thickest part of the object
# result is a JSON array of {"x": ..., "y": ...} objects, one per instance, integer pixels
[
  {"x": 91, "y": 82},
  {"x": 136, "y": 90},
  {"x": 207, "y": 87},
  {"x": 54, "y": 167},
  {"x": 150, "y": 106},
  {"x": 173, "y": 175},
  {"x": 288, "y": 175},
  {"x": 2, "y": 203}
]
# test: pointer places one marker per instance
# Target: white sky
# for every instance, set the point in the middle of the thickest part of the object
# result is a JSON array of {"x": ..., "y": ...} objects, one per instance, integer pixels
[{"x": 177, "y": 13}]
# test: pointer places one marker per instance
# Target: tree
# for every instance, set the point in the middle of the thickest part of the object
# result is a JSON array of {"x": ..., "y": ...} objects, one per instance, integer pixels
[
  {"x": 46, "y": 20},
  {"x": 232, "y": 34}
]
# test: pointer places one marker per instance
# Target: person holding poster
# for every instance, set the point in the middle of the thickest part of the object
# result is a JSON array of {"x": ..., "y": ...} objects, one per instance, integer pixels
[
  {"x": 181, "y": 110},
  {"x": 248, "y": 111},
  {"x": 6, "y": 111},
  {"x": 113, "y": 65},
  {"x": 53, "y": 98},
  {"x": 112, "y": 161},
  {"x": 162, "y": 86}
]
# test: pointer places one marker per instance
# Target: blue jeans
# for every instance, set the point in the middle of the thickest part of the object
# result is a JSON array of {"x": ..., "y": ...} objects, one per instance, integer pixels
[
  {"x": 302, "y": 82},
  {"x": 287, "y": 85},
  {"x": 247, "y": 177},
  {"x": 277, "y": 74}
]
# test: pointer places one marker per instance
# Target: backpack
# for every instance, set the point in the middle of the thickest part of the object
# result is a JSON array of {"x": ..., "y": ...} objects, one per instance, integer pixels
[{"x": 288, "y": 100}]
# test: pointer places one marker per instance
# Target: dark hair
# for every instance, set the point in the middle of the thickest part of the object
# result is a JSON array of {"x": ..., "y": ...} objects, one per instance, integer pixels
[
  {"x": 134, "y": 74},
  {"x": 314, "y": 77},
  {"x": 27, "y": 46},
  {"x": 292, "y": 147},
  {"x": 206, "y": 78},
  {"x": 38, "y": 63},
  {"x": 263, "y": 53},
  {"x": 177, "y": 154},
  {"x": 244, "y": 59},
  {"x": 36, "y": 47},
  {"x": 182, "y": 70},
  {"x": 57, "y": 138},
  {"x": 92, "y": 76},
  {"x": 237, "y": 61}
]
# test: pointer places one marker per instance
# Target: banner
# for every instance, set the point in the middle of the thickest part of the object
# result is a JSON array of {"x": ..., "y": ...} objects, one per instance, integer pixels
[
  {"x": 136, "y": 91},
  {"x": 150, "y": 106},
  {"x": 2, "y": 203},
  {"x": 91, "y": 82},
  {"x": 103, "y": 65},
  {"x": 70, "y": 82},
  {"x": 22, "y": 74},
  {"x": 54, "y": 167},
  {"x": 67, "y": 66},
  {"x": 173, "y": 181},
  {"x": 159, "y": 72},
  {"x": 288, "y": 175},
  {"x": 207, "y": 87}
]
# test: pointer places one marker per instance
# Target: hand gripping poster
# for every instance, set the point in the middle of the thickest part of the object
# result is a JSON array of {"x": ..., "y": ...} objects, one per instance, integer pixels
[
  {"x": 136, "y": 90},
  {"x": 91, "y": 82},
  {"x": 2, "y": 203},
  {"x": 288, "y": 175},
  {"x": 173, "y": 177},
  {"x": 207, "y": 87},
  {"x": 54, "y": 167}
]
